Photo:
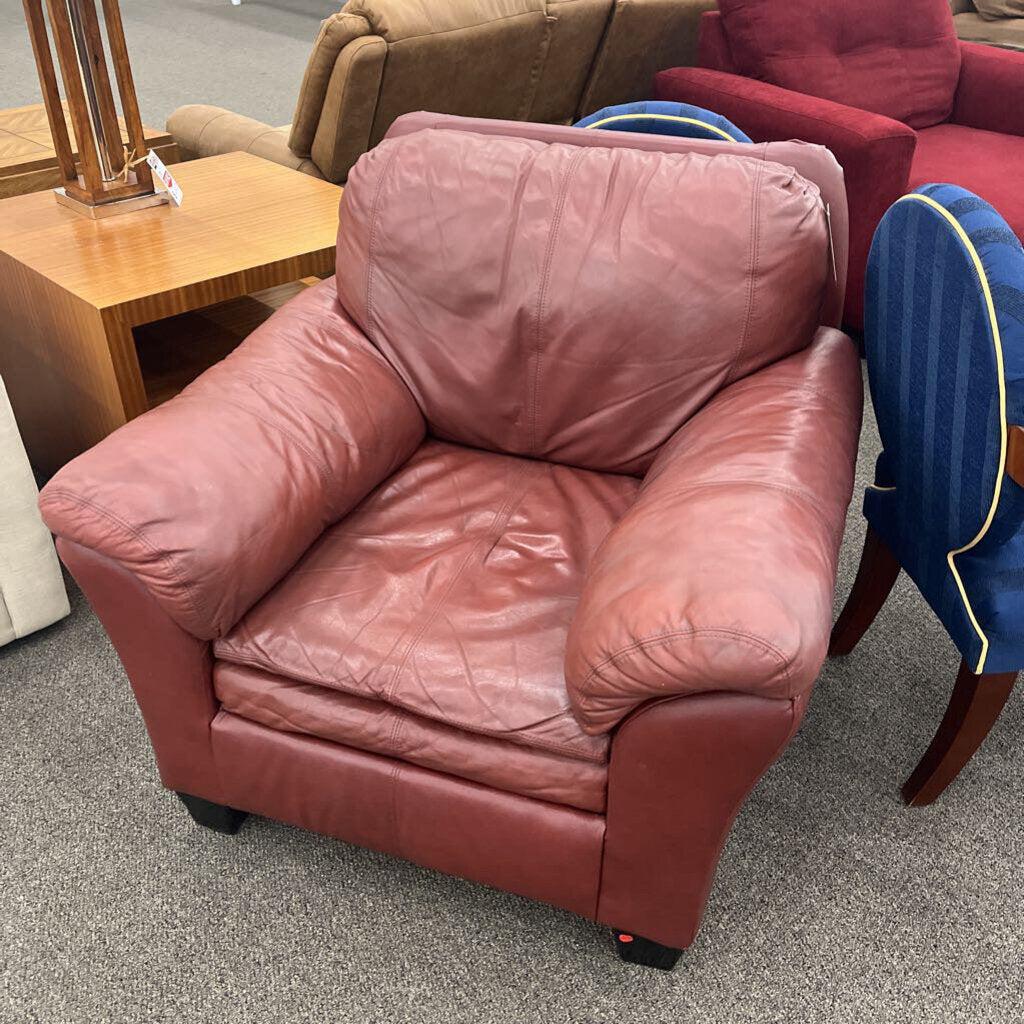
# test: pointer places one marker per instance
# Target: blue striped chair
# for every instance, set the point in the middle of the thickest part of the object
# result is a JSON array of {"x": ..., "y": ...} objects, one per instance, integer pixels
[
  {"x": 655, "y": 117},
  {"x": 944, "y": 338}
]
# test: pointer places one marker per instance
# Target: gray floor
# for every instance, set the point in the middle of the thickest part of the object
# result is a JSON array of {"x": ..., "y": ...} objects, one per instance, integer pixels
[
  {"x": 249, "y": 59},
  {"x": 833, "y": 903}
]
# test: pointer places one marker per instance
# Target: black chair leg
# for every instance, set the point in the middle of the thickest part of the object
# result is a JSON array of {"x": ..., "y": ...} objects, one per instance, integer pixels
[
  {"x": 213, "y": 816},
  {"x": 636, "y": 950}
]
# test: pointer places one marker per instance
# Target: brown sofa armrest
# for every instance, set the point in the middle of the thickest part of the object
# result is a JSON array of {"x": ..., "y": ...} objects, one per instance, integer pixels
[
  {"x": 721, "y": 576},
  {"x": 201, "y": 130},
  {"x": 211, "y": 498}
]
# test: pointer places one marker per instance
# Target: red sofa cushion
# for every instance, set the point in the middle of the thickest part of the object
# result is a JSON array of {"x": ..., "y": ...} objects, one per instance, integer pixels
[
  {"x": 899, "y": 58},
  {"x": 986, "y": 163}
]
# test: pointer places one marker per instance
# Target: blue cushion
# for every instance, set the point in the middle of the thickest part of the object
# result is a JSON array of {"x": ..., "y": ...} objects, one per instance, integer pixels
[
  {"x": 662, "y": 118},
  {"x": 944, "y": 339}
]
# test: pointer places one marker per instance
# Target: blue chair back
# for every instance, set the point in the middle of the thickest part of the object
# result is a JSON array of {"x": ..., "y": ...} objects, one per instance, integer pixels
[
  {"x": 944, "y": 340},
  {"x": 655, "y": 117}
]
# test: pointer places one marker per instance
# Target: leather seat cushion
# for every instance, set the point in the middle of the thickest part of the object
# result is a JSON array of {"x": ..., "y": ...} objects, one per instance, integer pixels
[
  {"x": 447, "y": 593},
  {"x": 380, "y": 728}
]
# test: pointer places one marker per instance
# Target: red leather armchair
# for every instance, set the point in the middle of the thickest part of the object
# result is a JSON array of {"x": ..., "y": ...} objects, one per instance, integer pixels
[
  {"x": 886, "y": 86},
  {"x": 510, "y": 550}
]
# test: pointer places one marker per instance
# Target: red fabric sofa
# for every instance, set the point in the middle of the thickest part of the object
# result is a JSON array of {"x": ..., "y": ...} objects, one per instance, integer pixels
[
  {"x": 885, "y": 85},
  {"x": 511, "y": 549}
]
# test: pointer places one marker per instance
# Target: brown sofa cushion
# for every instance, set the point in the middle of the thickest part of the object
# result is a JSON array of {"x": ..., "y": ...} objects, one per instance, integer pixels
[
  {"x": 484, "y": 67},
  {"x": 336, "y": 32},
  {"x": 992, "y": 10},
  {"x": 577, "y": 28},
  {"x": 1007, "y": 32},
  {"x": 643, "y": 37}
]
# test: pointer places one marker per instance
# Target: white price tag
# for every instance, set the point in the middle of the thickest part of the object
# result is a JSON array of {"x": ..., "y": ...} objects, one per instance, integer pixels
[{"x": 166, "y": 178}]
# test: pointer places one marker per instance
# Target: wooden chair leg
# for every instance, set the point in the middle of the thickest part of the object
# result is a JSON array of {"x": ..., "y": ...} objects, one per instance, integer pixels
[
  {"x": 973, "y": 710},
  {"x": 876, "y": 577}
]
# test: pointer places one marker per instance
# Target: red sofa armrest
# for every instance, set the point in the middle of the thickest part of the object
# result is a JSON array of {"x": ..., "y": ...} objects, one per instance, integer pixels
[
  {"x": 211, "y": 498},
  {"x": 990, "y": 94},
  {"x": 875, "y": 152},
  {"x": 720, "y": 577}
]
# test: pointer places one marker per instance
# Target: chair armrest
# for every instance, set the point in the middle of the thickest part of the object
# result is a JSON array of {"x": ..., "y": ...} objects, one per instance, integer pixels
[
  {"x": 721, "y": 575},
  {"x": 990, "y": 94},
  {"x": 201, "y": 130},
  {"x": 211, "y": 498},
  {"x": 875, "y": 152}
]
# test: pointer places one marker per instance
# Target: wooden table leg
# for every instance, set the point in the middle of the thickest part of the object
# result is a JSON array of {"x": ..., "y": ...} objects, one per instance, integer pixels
[{"x": 125, "y": 361}]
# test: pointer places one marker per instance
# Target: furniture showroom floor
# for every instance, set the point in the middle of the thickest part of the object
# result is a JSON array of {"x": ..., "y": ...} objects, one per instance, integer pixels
[{"x": 833, "y": 903}]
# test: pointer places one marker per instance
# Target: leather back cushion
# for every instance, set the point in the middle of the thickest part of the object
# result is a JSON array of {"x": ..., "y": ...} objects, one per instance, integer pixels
[
  {"x": 899, "y": 58},
  {"x": 575, "y": 303}
]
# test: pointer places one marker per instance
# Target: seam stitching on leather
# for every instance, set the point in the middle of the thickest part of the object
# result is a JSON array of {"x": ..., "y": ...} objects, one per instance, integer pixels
[
  {"x": 660, "y": 639},
  {"x": 745, "y": 384},
  {"x": 287, "y": 722},
  {"x": 497, "y": 521},
  {"x": 387, "y": 445},
  {"x": 808, "y": 499},
  {"x": 549, "y": 258},
  {"x": 235, "y": 657},
  {"x": 325, "y": 470},
  {"x": 755, "y": 259},
  {"x": 164, "y": 559},
  {"x": 372, "y": 246}
]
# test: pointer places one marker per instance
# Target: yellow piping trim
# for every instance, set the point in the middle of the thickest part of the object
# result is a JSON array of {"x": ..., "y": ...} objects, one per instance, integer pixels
[
  {"x": 663, "y": 117},
  {"x": 998, "y": 342}
]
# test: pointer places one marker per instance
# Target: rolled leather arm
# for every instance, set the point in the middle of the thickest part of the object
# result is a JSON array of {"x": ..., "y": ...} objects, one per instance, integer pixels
[
  {"x": 990, "y": 94},
  {"x": 211, "y": 498},
  {"x": 721, "y": 575},
  {"x": 201, "y": 130}
]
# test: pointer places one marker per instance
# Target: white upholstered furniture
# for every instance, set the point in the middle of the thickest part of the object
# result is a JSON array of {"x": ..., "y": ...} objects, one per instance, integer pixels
[{"x": 32, "y": 591}]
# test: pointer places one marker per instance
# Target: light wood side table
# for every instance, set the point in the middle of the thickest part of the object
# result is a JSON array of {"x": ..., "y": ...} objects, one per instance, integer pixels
[
  {"x": 28, "y": 162},
  {"x": 76, "y": 294}
]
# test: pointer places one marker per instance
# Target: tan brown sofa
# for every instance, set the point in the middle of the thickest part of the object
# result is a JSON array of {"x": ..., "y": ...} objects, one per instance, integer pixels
[
  {"x": 526, "y": 60},
  {"x": 999, "y": 22}
]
